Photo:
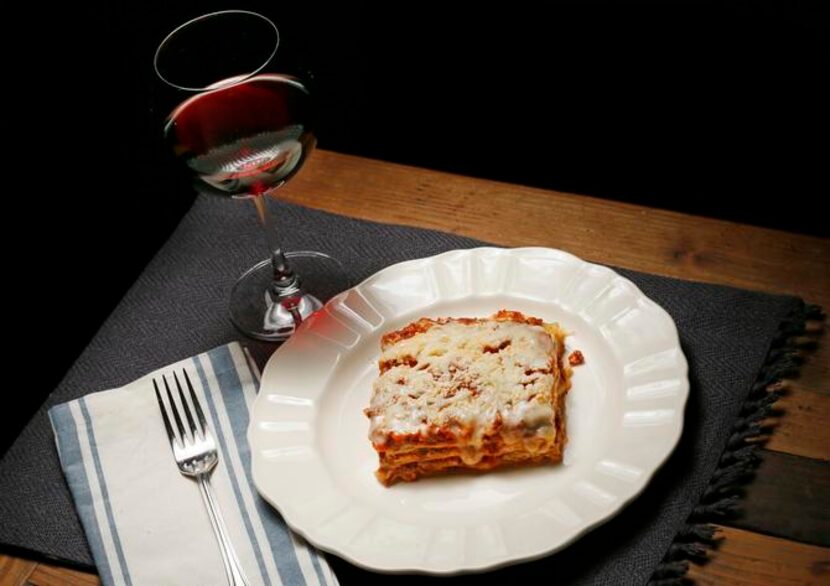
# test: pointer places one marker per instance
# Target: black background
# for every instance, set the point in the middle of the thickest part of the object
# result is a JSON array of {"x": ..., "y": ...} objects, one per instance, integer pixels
[{"x": 713, "y": 108}]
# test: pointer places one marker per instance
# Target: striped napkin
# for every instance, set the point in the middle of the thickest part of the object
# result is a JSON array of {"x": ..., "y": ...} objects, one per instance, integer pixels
[{"x": 144, "y": 521}]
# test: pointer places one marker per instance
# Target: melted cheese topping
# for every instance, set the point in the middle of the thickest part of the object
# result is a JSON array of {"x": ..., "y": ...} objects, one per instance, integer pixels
[{"x": 466, "y": 377}]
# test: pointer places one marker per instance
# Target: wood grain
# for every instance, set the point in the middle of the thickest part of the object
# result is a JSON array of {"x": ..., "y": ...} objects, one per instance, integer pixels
[
  {"x": 790, "y": 493},
  {"x": 49, "y": 575},
  {"x": 815, "y": 373},
  {"x": 745, "y": 558},
  {"x": 15, "y": 571},
  {"x": 790, "y": 498},
  {"x": 802, "y": 429},
  {"x": 645, "y": 239}
]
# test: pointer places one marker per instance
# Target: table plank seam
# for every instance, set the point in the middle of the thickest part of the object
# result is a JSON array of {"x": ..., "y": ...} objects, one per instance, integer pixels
[{"x": 742, "y": 453}]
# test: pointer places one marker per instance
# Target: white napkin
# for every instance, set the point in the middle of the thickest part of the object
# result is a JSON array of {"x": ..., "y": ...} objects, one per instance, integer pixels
[{"x": 144, "y": 521}]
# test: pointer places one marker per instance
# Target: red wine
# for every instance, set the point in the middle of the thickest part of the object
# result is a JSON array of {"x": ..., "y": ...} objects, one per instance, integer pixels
[{"x": 246, "y": 138}]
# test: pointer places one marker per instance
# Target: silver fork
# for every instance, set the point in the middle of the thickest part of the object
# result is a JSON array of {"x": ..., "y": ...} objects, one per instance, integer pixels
[{"x": 195, "y": 453}]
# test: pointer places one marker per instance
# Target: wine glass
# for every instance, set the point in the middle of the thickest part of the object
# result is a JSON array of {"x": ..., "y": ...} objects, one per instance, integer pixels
[{"x": 243, "y": 127}]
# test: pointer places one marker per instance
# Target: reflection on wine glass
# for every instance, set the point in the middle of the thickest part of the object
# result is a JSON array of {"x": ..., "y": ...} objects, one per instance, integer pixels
[{"x": 243, "y": 129}]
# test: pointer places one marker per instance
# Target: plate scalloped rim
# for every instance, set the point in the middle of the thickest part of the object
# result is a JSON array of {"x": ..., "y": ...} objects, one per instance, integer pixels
[{"x": 297, "y": 470}]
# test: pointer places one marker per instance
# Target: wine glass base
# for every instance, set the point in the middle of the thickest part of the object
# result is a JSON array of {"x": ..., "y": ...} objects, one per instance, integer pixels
[{"x": 256, "y": 315}]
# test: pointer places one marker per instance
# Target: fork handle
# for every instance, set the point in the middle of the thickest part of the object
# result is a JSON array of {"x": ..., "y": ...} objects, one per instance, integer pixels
[{"x": 233, "y": 569}]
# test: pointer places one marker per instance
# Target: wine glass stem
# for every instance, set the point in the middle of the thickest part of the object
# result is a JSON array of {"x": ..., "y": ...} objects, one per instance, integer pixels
[{"x": 285, "y": 286}]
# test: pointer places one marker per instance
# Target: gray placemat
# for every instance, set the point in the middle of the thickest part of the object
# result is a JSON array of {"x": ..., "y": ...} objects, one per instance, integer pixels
[{"x": 177, "y": 308}]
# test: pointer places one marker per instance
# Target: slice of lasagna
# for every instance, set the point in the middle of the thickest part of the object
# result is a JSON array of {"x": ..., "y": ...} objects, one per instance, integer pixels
[{"x": 464, "y": 393}]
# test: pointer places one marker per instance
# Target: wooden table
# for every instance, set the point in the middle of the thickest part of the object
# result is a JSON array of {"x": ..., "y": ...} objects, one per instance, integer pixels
[{"x": 782, "y": 537}]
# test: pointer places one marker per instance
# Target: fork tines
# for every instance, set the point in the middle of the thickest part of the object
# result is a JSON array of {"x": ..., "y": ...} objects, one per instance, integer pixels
[{"x": 192, "y": 426}]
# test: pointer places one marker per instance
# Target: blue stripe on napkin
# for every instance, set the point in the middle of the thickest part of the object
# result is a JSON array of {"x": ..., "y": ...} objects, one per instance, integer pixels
[
  {"x": 315, "y": 561},
  {"x": 224, "y": 457},
  {"x": 276, "y": 530},
  {"x": 69, "y": 450},
  {"x": 227, "y": 383},
  {"x": 102, "y": 483},
  {"x": 74, "y": 433}
]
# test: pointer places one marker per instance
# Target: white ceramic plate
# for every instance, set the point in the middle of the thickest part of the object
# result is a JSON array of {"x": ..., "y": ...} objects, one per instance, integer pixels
[{"x": 312, "y": 459}]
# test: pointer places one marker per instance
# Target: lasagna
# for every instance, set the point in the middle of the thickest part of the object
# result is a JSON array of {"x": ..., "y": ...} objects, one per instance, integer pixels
[{"x": 468, "y": 393}]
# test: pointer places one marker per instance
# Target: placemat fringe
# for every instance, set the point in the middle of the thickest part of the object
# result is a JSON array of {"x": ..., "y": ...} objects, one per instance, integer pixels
[
  {"x": 726, "y": 332},
  {"x": 742, "y": 454}
]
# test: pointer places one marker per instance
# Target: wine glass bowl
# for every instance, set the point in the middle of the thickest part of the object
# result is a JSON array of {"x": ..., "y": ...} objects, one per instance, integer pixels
[
  {"x": 242, "y": 126},
  {"x": 244, "y": 139}
]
